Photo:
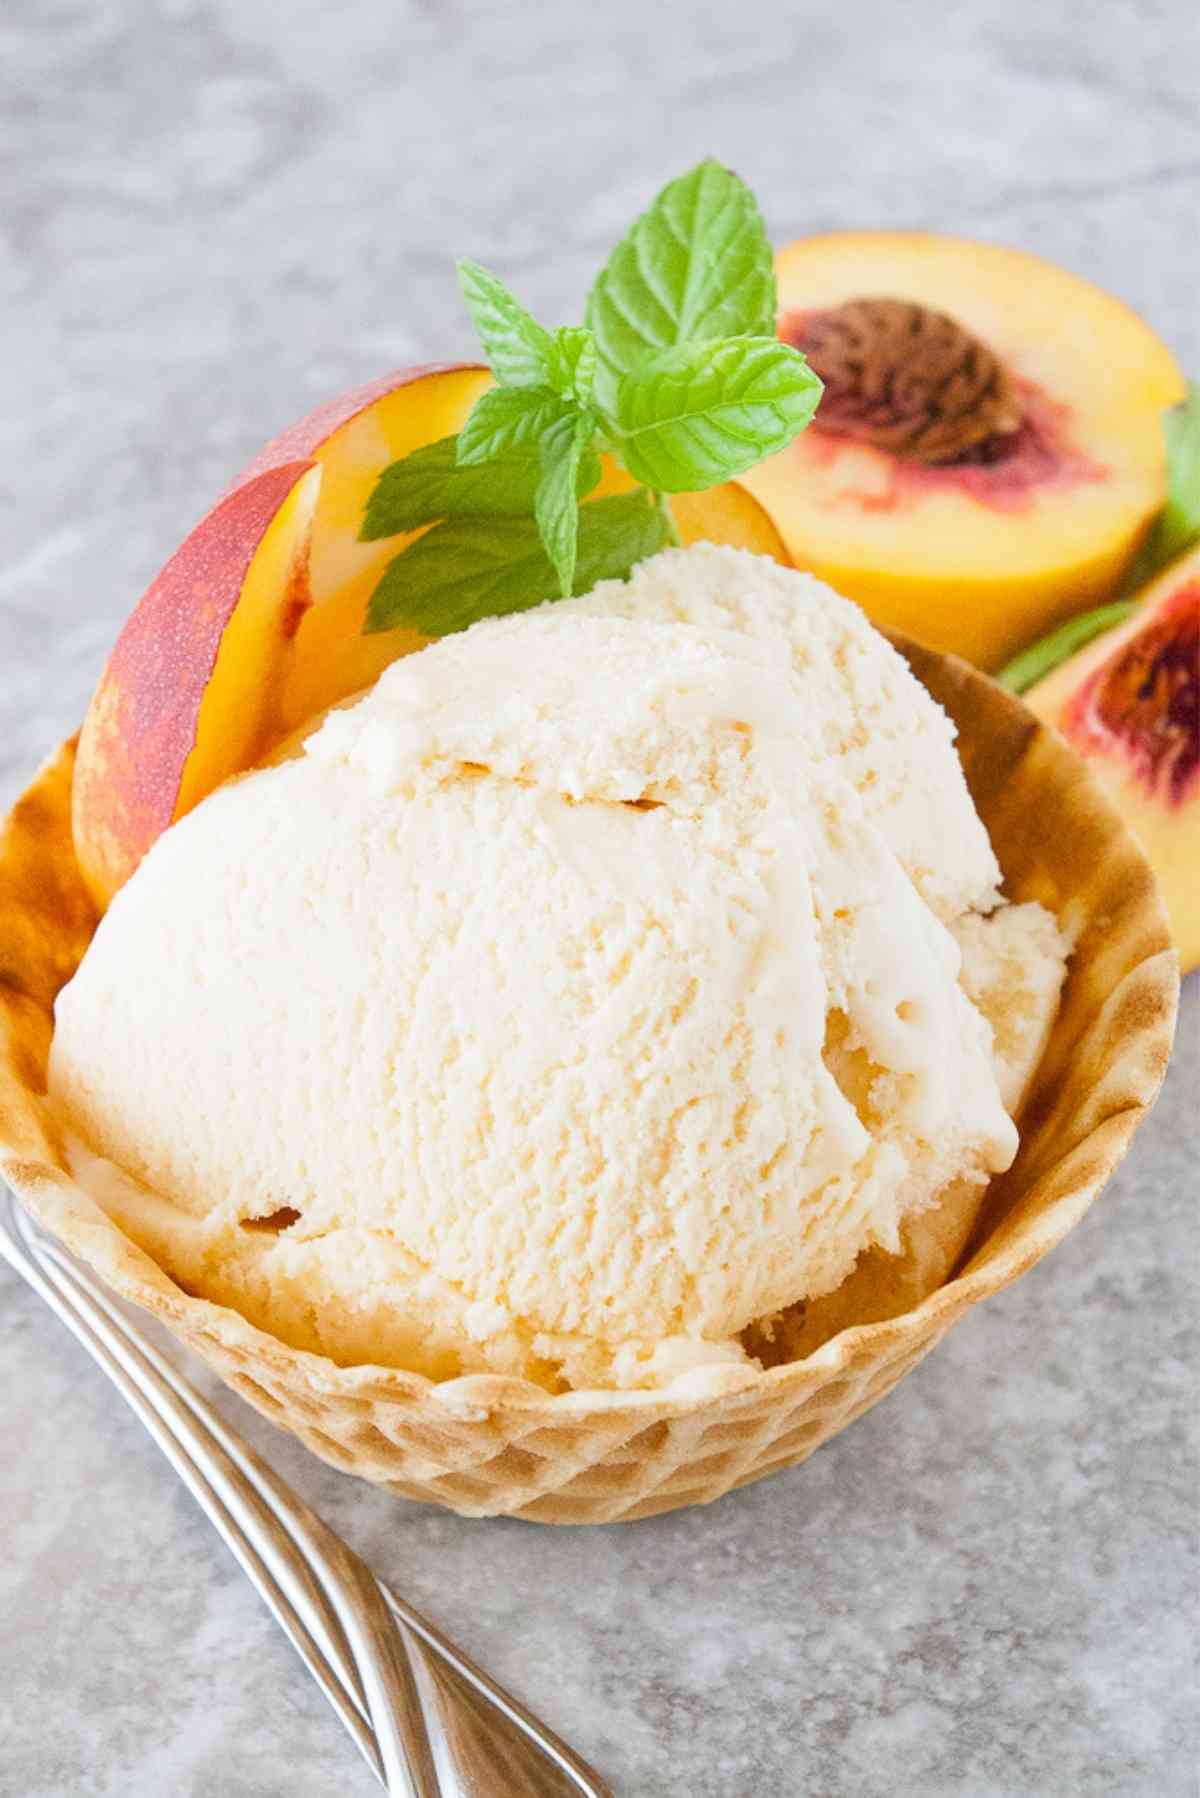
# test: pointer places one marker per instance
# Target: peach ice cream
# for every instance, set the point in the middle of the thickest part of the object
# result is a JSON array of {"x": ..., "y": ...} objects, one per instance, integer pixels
[{"x": 587, "y": 991}]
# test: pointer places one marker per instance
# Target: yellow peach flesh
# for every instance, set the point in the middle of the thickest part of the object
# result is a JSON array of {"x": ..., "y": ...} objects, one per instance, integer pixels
[
  {"x": 977, "y": 567},
  {"x": 333, "y": 657}
]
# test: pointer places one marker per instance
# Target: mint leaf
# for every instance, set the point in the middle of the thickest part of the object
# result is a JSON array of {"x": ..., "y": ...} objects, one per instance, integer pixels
[
  {"x": 467, "y": 569},
  {"x": 615, "y": 534},
  {"x": 506, "y": 419},
  {"x": 706, "y": 412},
  {"x": 429, "y": 484},
  {"x": 1177, "y": 526},
  {"x": 573, "y": 366},
  {"x": 518, "y": 349},
  {"x": 695, "y": 267},
  {"x": 556, "y": 507}
]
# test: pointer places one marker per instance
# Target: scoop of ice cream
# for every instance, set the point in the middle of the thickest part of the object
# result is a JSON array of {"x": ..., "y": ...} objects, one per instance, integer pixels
[
  {"x": 859, "y": 704},
  {"x": 578, "y": 996}
]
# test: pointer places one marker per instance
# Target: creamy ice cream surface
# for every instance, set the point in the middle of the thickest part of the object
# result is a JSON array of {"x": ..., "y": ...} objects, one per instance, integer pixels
[{"x": 588, "y": 990}]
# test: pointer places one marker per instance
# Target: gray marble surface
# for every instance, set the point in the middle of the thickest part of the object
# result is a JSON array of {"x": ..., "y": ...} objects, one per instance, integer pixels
[{"x": 214, "y": 214}]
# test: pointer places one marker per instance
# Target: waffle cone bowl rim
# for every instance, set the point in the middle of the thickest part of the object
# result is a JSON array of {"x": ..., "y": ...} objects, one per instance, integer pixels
[{"x": 488, "y": 1444}]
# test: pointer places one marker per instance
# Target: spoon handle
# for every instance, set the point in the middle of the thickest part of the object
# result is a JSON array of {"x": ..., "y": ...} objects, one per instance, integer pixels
[{"x": 428, "y": 1722}]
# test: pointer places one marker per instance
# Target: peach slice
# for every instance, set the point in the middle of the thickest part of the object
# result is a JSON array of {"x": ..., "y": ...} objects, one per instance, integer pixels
[
  {"x": 197, "y": 686},
  {"x": 1129, "y": 702},
  {"x": 190, "y": 693},
  {"x": 353, "y": 439},
  {"x": 1027, "y": 523}
]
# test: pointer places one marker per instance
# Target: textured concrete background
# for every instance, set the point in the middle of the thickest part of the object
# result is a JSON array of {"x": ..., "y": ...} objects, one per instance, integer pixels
[{"x": 214, "y": 215}]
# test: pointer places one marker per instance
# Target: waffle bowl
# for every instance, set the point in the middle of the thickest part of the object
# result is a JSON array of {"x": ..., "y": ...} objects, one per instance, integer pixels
[{"x": 483, "y": 1445}]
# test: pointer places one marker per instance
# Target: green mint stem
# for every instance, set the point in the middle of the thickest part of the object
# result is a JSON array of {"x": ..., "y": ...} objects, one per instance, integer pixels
[
  {"x": 1044, "y": 656},
  {"x": 674, "y": 540}
]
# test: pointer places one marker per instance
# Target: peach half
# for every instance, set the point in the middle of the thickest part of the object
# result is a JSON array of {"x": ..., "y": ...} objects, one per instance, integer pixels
[
  {"x": 255, "y": 624},
  {"x": 1129, "y": 703},
  {"x": 988, "y": 453}
]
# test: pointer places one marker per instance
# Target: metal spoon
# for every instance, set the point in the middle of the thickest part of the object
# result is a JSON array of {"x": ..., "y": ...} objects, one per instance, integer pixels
[{"x": 426, "y": 1719}]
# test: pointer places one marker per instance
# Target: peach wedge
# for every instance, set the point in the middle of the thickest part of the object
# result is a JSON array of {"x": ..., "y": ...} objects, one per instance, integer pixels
[
  {"x": 190, "y": 693},
  {"x": 197, "y": 686},
  {"x": 353, "y": 439}
]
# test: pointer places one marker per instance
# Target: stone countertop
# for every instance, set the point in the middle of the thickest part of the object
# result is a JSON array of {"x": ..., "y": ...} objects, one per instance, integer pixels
[{"x": 215, "y": 214}]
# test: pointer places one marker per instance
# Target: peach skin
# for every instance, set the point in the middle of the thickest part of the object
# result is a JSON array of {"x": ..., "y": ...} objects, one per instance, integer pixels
[
  {"x": 190, "y": 693},
  {"x": 1129, "y": 703}
]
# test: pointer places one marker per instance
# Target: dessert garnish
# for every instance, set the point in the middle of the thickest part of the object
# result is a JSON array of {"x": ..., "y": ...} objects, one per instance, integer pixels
[{"x": 677, "y": 376}]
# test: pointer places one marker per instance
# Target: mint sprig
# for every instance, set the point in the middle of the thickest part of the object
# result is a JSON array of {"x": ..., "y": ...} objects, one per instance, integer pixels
[{"x": 677, "y": 375}]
